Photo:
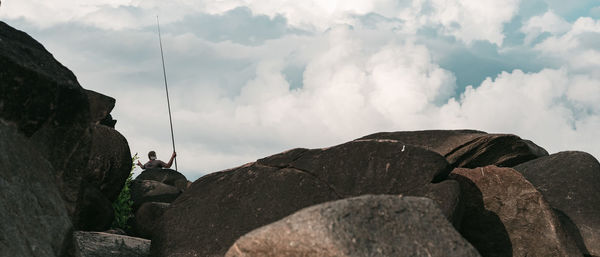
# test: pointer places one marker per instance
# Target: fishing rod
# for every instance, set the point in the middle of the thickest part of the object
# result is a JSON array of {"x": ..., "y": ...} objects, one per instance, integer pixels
[{"x": 162, "y": 56}]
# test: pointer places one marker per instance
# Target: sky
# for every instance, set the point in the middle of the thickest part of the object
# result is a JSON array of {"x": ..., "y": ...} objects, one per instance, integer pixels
[{"x": 248, "y": 79}]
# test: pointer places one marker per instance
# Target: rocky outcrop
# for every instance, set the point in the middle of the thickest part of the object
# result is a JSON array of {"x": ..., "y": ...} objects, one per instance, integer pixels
[
  {"x": 100, "y": 108},
  {"x": 506, "y": 216},
  {"x": 220, "y": 207},
  {"x": 99, "y": 244},
  {"x": 33, "y": 217},
  {"x": 44, "y": 101},
  {"x": 469, "y": 148},
  {"x": 570, "y": 182},
  {"x": 143, "y": 191},
  {"x": 166, "y": 176},
  {"x": 146, "y": 218},
  {"x": 368, "y": 225}
]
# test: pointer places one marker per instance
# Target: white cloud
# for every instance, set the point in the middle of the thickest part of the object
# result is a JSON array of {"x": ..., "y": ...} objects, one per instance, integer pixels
[
  {"x": 578, "y": 47},
  {"x": 544, "y": 107},
  {"x": 549, "y": 22},
  {"x": 364, "y": 67}
]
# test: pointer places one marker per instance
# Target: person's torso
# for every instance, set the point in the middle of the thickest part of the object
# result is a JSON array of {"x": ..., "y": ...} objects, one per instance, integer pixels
[{"x": 154, "y": 164}]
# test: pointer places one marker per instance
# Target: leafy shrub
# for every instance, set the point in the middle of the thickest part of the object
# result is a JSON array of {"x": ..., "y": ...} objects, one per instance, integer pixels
[{"x": 122, "y": 206}]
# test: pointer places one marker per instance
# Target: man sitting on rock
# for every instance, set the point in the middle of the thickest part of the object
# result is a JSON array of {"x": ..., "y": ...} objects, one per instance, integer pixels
[{"x": 154, "y": 163}]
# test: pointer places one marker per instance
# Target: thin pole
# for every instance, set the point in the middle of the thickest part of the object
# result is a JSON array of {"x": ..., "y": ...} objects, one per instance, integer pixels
[{"x": 166, "y": 88}]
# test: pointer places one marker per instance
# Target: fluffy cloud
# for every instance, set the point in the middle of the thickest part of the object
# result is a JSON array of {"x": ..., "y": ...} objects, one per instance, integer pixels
[{"x": 252, "y": 78}]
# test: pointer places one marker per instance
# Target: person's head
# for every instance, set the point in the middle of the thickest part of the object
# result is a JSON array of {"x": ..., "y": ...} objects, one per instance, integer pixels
[{"x": 152, "y": 155}]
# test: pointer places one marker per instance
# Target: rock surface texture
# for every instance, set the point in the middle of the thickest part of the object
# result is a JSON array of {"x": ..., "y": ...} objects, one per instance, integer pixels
[
  {"x": 166, "y": 176},
  {"x": 369, "y": 225},
  {"x": 146, "y": 218},
  {"x": 220, "y": 207},
  {"x": 100, "y": 244},
  {"x": 143, "y": 191},
  {"x": 33, "y": 217},
  {"x": 470, "y": 148},
  {"x": 570, "y": 182},
  {"x": 44, "y": 101},
  {"x": 506, "y": 216}
]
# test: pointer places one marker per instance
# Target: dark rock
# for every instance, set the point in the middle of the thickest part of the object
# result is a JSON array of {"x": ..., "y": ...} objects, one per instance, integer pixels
[
  {"x": 570, "y": 182},
  {"x": 146, "y": 218},
  {"x": 99, "y": 244},
  {"x": 143, "y": 191},
  {"x": 220, "y": 207},
  {"x": 368, "y": 225},
  {"x": 167, "y": 176},
  {"x": 447, "y": 195},
  {"x": 33, "y": 217},
  {"x": 94, "y": 212},
  {"x": 43, "y": 99},
  {"x": 110, "y": 161},
  {"x": 506, "y": 216},
  {"x": 439, "y": 141},
  {"x": 36, "y": 89},
  {"x": 100, "y": 108},
  {"x": 469, "y": 148}
]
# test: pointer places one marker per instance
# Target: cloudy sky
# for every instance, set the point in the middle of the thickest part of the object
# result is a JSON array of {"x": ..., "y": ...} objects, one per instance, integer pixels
[{"x": 252, "y": 78}]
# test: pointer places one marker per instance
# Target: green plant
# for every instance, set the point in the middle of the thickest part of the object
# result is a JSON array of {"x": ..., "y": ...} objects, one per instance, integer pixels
[{"x": 122, "y": 206}]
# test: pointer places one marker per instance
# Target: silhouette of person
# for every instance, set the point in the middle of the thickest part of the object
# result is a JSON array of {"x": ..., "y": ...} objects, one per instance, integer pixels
[{"x": 155, "y": 163}]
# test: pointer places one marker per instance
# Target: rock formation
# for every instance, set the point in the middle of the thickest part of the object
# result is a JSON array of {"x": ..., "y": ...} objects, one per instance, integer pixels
[
  {"x": 220, "y": 207},
  {"x": 99, "y": 244},
  {"x": 33, "y": 217},
  {"x": 362, "y": 226},
  {"x": 506, "y": 216},
  {"x": 570, "y": 182},
  {"x": 470, "y": 148},
  {"x": 66, "y": 125}
]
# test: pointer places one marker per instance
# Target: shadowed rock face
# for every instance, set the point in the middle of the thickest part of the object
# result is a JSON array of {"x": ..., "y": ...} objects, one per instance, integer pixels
[
  {"x": 44, "y": 101},
  {"x": 167, "y": 176},
  {"x": 368, "y": 225},
  {"x": 570, "y": 182},
  {"x": 33, "y": 217},
  {"x": 506, "y": 216},
  {"x": 469, "y": 148},
  {"x": 147, "y": 217},
  {"x": 220, "y": 207},
  {"x": 143, "y": 191}
]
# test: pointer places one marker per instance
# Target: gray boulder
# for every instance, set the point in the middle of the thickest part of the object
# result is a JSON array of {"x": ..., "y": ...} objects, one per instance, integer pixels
[
  {"x": 33, "y": 217},
  {"x": 369, "y": 225},
  {"x": 100, "y": 244},
  {"x": 570, "y": 182}
]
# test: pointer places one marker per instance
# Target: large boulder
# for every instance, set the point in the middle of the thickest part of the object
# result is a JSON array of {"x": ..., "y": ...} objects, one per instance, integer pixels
[
  {"x": 369, "y": 225},
  {"x": 43, "y": 99},
  {"x": 506, "y": 216},
  {"x": 143, "y": 191},
  {"x": 447, "y": 195},
  {"x": 570, "y": 182},
  {"x": 167, "y": 176},
  {"x": 33, "y": 217},
  {"x": 100, "y": 244},
  {"x": 146, "y": 218},
  {"x": 469, "y": 148},
  {"x": 220, "y": 207}
]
